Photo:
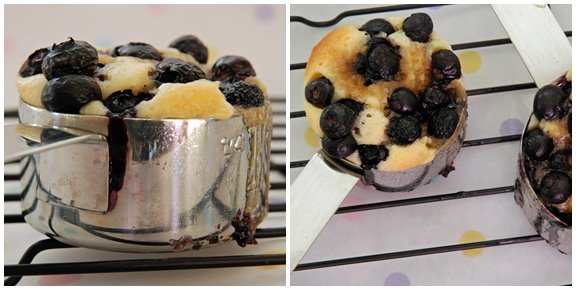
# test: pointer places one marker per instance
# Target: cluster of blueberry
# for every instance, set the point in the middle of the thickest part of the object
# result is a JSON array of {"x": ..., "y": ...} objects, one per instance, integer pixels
[
  {"x": 71, "y": 69},
  {"x": 548, "y": 158},
  {"x": 434, "y": 110}
]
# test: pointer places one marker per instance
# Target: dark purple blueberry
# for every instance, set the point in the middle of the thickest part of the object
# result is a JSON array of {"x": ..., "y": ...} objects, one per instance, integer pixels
[
  {"x": 123, "y": 102},
  {"x": 67, "y": 94},
  {"x": 173, "y": 70},
  {"x": 354, "y": 105},
  {"x": 33, "y": 64},
  {"x": 337, "y": 120},
  {"x": 548, "y": 102},
  {"x": 375, "y": 26},
  {"x": 433, "y": 98},
  {"x": 71, "y": 57},
  {"x": 445, "y": 66},
  {"x": 232, "y": 68},
  {"x": 443, "y": 123},
  {"x": 565, "y": 86},
  {"x": 403, "y": 101},
  {"x": 138, "y": 49},
  {"x": 537, "y": 145},
  {"x": 191, "y": 45},
  {"x": 561, "y": 160},
  {"x": 404, "y": 129},
  {"x": 243, "y": 94},
  {"x": 383, "y": 61},
  {"x": 339, "y": 148},
  {"x": 556, "y": 187},
  {"x": 319, "y": 92},
  {"x": 418, "y": 27},
  {"x": 570, "y": 123},
  {"x": 371, "y": 155}
]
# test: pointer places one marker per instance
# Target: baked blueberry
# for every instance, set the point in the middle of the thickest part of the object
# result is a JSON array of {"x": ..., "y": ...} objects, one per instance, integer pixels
[
  {"x": 173, "y": 70},
  {"x": 137, "y": 49},
  {"x": 418, "y": 27},
  {"x": 432, "y": 98},
  {"x": 561, "y": 160},
  {"x": 548, "y": 102},
  {"x": 354, "y": 105},
  {"x": 71, "y": 57},
  {"x": 371, "y": 155},
  {"x": 556, "y": 187},
  {"x": 191, "y": 45},
  {"x": 337, "y": 120},
  {"x": 67, "y": 94},
  {"x": 123, "y": 102},
  {"x": 443, "y": 123},
  {"x": 537, "y": 145},
  {"x": 375, "y": 26},
  {"x": 243, "y": 94},
  {"x": 403, "y": 101},
  {"x": 383, "y": 61},
  {"x": 232, "y": 68},
  {"x": 404, "y": 129},
  {"x": 445, "y": 66},
  {"x": 319, "y": 92},
  {"x": 33, "y": 64},
  {"x": 339, "y": 148}
]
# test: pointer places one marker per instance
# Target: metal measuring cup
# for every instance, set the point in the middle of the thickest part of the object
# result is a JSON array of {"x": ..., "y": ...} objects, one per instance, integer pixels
[{"x": 142, "y": 185}]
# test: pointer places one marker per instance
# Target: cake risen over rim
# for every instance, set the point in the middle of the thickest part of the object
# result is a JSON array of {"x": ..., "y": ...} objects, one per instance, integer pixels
[
  {"x": 386, "y": 95},
  {"x": 184, "y": 80}
]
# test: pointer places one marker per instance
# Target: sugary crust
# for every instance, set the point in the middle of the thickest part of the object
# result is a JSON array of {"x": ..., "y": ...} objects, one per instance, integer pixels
[{"x": 335, "y": 58}]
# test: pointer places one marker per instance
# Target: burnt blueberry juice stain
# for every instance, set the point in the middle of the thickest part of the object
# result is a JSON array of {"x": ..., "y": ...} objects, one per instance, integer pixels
[{"x": 118, "y": 150}]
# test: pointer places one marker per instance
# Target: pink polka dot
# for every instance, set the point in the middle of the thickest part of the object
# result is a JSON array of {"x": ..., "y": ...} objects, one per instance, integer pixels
[
  {"x": 349, "y": 201},
  {"x": 53, "y": 280},
  {"x": 8, "y": 45},
  {"x": 158, "y": 9}
]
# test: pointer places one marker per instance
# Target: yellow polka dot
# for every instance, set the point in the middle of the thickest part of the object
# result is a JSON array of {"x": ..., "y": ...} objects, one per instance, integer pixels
[
  {"x": 272, "y": 266},
  {"x": 311, "y": 138},
  {"x": 470, "y": 61},
  {"x": 472, "y": 237}
]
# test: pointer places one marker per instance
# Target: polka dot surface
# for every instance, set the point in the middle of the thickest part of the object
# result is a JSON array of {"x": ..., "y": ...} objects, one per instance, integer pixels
[
  {"x": 470, "y": 61},
  {"x": 472, "y": 237},
  {"x": 54, "y": 280},
  {"x": 511, "y": 126},
  {"x": 311, "y": 138},
  {"x": 397, "y": 279},
  {"x": 264, "y": 13}
]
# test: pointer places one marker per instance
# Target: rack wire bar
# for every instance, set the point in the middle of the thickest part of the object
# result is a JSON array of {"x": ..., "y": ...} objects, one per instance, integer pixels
[
  {"x": 418, "y": 252},
  {"x": 356, "y": 12}
]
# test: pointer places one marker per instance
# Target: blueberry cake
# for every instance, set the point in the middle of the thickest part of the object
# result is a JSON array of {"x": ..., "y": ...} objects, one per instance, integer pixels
[
  {"x": 547, "y": 148},
  {"x": 139, "y": 81},
  {"x": 386, "y": 95}
]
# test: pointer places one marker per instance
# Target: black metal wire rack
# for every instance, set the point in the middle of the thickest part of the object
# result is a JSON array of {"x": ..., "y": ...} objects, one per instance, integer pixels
[
  {"x": 27, "y": 267},
  {"x": 295, "y": 164}
]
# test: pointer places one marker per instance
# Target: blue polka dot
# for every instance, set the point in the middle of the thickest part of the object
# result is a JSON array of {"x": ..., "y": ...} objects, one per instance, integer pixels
[
  {"x": 511, "y": 126},
  {"x": 104, "y": 42},
  {"x": 264, "y": 13},
  {"x": 397, "y": 279}
]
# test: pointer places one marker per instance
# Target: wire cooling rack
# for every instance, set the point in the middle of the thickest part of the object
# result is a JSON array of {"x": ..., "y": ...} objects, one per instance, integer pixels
[
  {"x": 256, "y": 261},
  {"x": 462, "y": 230}
]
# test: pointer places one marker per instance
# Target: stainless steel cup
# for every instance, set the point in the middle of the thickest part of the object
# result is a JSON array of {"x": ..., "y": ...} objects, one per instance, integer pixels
[
  {"x": 141, "y": 185},
  {"x": 556, "y": 232}
]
